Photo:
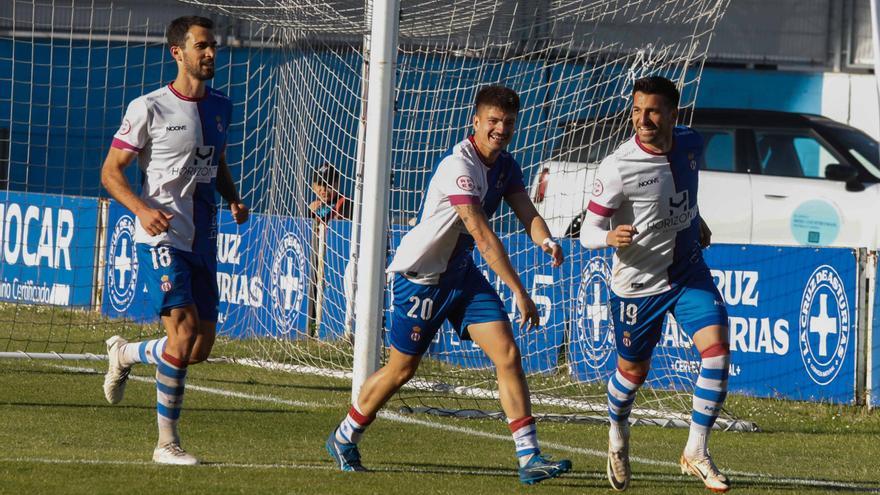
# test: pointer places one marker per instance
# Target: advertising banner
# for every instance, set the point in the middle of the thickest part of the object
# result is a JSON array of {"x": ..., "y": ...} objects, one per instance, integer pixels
[
  {"x": 263, "y": 292},
  {"x": 792, "y": 314},
  {"x": 47, "y": 247}
]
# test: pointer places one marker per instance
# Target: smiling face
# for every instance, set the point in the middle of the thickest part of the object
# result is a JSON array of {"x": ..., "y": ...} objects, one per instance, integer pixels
[
  {"x": 653, "y": 119},
  {"x": 196, "y": 56},
  {"x": 493, "y": 130}
]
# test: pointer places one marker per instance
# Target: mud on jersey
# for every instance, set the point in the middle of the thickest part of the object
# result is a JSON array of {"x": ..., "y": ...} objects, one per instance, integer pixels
[
  {"x": 179, "y": 141},
  {"x": 460, "y": 177},
  {"x": 657, "y": 193}
]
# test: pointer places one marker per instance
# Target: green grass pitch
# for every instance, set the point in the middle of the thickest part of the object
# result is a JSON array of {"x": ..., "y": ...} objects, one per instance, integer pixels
[{"x": 258, "y": 431}]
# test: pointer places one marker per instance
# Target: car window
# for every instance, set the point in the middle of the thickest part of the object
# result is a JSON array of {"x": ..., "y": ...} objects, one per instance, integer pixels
[
  {"x": 718, "y": 150},
  {"x": 862, "y": 147},
  {"x": 792, "y": 154}
]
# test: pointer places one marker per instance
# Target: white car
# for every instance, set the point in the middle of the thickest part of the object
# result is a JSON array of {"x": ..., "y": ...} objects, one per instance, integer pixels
[{"x": 768, "y": 177}]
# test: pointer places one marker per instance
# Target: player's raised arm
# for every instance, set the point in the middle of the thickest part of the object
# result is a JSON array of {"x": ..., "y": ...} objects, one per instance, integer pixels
[
  {"x": 607, "y": 197},
  {"x": 113, "y": 179},
  {"x": 495, "y": 255},
  {"x": 534, "y": 224},
  {"x": 226, "y": 188}
]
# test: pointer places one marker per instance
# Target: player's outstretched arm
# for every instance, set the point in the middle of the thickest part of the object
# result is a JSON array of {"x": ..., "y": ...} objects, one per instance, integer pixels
[
  {"x": 495, "y": 255},
  {"x": 227, "y": 190},
  {"x": 535, "y": 226},
  {"x": 113, "y": 179}
]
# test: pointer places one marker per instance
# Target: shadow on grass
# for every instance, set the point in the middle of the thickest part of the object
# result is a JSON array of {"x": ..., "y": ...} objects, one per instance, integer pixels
[
  {"x": 62, "y": 405},
  {"x": 641, "y": 481}
]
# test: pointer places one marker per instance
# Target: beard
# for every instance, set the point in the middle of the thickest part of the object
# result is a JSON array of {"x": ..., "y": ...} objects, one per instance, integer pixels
[{"x": 202, "y": 72}]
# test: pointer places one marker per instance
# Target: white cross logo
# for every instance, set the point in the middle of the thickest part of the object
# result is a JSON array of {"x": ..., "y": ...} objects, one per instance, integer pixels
[
  {"x": 823, "y": 325},
  {"x": 596, "y": 311},
  {"x": 122, "y": 264},
  {"x": 289, "y": 284}
]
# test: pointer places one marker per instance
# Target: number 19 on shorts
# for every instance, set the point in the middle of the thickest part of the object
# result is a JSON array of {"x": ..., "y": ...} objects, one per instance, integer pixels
[{"x": 629, "y": 313}]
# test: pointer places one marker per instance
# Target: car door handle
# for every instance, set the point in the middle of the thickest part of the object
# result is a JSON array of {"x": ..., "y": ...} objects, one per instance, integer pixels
[{"x": 775, "y": 196}]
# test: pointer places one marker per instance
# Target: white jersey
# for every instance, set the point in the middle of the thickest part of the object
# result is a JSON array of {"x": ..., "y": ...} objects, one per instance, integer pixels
[
  {"x": 656, "y": 193},
  {"x": 179, "y": 141},
  {"x": 460, "y": 177}
]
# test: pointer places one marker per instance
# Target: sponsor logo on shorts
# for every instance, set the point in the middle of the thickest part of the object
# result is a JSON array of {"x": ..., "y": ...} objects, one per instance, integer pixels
[
  {"x": 122, "y": 265},
  {"x": 465, "y": 183},
  {"x": 165, "y": 285},
  {"x": 593, "y": 326},
  {"x": 288, "y": 282},
  {"x": 627, "y": 339},
  {"x": 824, "y": 325}
]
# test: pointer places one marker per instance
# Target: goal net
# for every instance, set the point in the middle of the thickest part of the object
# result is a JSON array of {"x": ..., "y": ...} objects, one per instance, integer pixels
[{"x": 297, "y": 74}]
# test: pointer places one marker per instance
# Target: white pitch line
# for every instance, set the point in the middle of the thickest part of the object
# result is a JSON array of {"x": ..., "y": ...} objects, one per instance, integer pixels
[{"x": 763, "y": 477}]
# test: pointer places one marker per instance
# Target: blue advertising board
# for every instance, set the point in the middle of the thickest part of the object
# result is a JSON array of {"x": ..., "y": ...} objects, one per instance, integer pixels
[
  {"x": 47, "y": 248},
  {"x": 125, "y": 294},
  {"x": 792, "y": 314},
  {"x": 263, "y": 292}
]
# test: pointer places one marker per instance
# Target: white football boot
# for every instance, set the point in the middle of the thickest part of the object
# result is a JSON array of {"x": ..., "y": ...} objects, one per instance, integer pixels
[
  {"x": 117, "y": 375},
  {"x": 705, "y": 469},
  {"x": 173, "y": 454},
  {"x": 617, "y": 469}
]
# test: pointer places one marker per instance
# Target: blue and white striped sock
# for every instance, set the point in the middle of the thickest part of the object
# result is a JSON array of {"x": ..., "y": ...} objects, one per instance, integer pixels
[
  {"x": 146, "y": 352},
  {"x": 170, "y": 383},
  {"x": 622, "y": 389},
  {"x": 353, "y": 426},
  {"x": 525, "y": 437},
  {"x": 709, "y": 394}
]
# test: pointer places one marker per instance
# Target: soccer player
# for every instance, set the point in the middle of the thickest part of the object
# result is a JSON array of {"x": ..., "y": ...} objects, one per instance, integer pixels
[
  {"x": 435, "y": 279},
  {"x": 647, "y": 191},
  {"x": 178, "y": 134}
]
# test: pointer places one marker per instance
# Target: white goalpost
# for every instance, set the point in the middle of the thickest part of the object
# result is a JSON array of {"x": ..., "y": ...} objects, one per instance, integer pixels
[{"x": 376, "y": 91}]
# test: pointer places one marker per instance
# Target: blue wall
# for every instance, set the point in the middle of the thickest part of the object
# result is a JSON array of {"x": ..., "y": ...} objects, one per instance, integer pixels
[{"x": 63, "y": 100}]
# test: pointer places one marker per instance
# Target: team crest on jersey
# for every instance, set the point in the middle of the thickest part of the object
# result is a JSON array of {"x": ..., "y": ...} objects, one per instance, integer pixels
[
  {"x": 416, "y": 334},
  {"x": 125, "y": 128},
  {"x": 219, "y": 123},
  {"x": 465, "y": 183},
  {"x": 122, "y": 265},
  {"x": 593, "y": 325},
  {"x": 693, "y": 161},
  {"x": 288, "y": 282},
  {"x": 598, "y": 187},
  {"x": 165, "y": 284},
  {"x": 824, "y": 325}
]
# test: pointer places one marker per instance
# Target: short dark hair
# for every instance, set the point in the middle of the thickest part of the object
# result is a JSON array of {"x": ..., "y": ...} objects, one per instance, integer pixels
[
  {"x": 658, "y": 85},
  {"x": 498, "y": 96},
  {"x": 326, "y": 174},
  {"x": 176, "y": 32}
]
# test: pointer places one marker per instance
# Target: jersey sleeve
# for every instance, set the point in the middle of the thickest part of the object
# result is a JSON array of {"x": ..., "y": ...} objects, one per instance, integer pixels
[
  {"x": 607, "y": 197},
  {"x": 516, "y": 183},
  {"x": 132, "y": 134},
  {"x": 455, "y": 180}
]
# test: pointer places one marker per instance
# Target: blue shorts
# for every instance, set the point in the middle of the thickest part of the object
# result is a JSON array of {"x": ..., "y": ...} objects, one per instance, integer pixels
[
  {"x": 638, "y": 321},
  {"x": 463, "y": 296},
  {"x": 176, "y": 278}
]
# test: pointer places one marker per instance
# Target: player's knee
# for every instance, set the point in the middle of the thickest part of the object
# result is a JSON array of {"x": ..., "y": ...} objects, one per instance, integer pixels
[
  {"x": 717, "y": 349},
  {"x": 509, "y": 359}
]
